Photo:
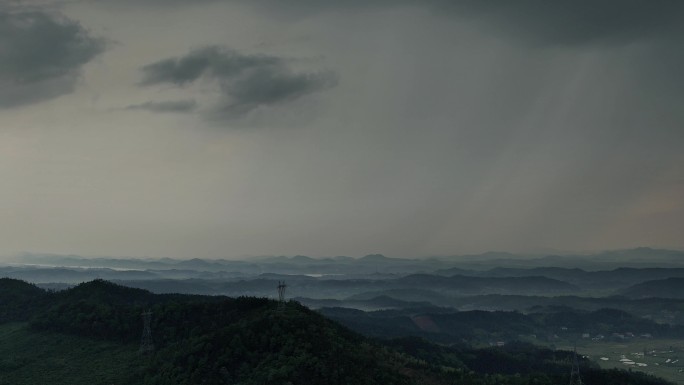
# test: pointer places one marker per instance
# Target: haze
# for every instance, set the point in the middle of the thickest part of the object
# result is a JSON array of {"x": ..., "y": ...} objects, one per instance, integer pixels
[{"x": 234, "y": 128}]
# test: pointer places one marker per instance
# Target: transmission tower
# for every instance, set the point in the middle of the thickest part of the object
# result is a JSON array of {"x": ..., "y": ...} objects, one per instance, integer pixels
[
  {"x": 575, "y": 378},
  {"x": 146, "y": 343},
  {"x": 281, "y": 292}
]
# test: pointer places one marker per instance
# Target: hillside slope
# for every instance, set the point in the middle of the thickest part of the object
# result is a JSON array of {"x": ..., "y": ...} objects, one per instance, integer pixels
[
  {"x": 96, "y": 326},
  {"x": 29, "y": 357}
]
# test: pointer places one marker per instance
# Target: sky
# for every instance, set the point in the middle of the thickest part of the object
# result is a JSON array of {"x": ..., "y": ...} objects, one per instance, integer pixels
[{"x": 236, "y": 128}]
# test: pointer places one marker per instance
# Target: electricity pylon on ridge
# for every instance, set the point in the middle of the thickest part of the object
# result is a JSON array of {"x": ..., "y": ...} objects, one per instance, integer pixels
[
  {"x": 575, "y": 378},
  {"x": 146, "y": 343},
  {"x": 281, "y": 292}
]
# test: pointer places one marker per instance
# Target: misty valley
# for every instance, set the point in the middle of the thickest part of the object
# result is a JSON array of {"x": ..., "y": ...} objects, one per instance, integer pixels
[{"x": 609, "y": 318}]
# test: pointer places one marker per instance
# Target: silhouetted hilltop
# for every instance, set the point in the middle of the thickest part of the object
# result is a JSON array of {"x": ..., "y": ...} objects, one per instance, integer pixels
[
  {"x": 19, "y": 299},
  {"x": 18, "y": 290},
  {"x": 102, "y": 291}
]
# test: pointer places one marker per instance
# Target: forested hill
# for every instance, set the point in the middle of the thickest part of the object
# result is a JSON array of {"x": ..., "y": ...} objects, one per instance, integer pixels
[
  {"x": 212, "y": 340},
  {"x": 221, "y": 340}
]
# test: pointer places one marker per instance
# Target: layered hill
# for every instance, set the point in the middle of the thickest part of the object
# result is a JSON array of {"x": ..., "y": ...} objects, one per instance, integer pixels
[
  {"x": 672, "y": 287},
  {"x": 448, "y": 327}
]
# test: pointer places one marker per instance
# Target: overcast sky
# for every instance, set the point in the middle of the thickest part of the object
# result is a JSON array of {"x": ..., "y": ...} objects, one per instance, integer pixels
[{"x": 188, "y": 128}]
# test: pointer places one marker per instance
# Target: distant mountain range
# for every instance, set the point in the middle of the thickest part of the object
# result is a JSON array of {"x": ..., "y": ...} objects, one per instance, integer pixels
[
  {"x": 489, "y": 281},
  {"x": 588, "y": 280},
  {"x": 367, "y": 274},
  {"x": 376, "y": 263}
]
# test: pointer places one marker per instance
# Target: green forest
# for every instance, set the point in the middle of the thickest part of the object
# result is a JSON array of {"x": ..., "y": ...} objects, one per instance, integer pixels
[{"x": 91, "y": 333}]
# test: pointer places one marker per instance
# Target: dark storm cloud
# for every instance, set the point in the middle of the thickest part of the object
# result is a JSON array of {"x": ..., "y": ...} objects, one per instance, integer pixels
[
  {"x": 245, "y": 81},
  {"x": 573, "y": 22},
  {"x": 178, "y": 106},
  {"x": 547, "y": 22},
  {"x": 212, "y": 61},
  {"x": 555, "y": 22},
  {"x": 266, "y": 86},
  {"x": 41, "y": 56}
]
